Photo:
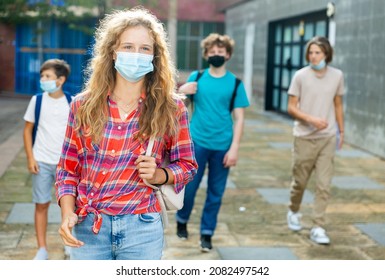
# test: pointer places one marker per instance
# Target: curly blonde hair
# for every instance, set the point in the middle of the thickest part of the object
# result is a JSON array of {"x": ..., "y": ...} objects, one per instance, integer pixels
[
  {"x": 158, "y": 113},
  {"x": 215, "y": 39}
]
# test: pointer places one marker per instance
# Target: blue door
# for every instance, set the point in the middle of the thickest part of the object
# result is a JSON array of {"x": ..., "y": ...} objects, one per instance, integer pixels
[{"x": 52, "y": 39}]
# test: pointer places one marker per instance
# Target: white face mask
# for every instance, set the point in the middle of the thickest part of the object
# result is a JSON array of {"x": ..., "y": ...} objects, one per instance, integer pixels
[
  {"x": 49, "y": 86},
  {"x": 133, "y": 66}
]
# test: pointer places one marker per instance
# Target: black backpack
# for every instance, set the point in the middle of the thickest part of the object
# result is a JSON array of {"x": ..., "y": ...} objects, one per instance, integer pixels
[{"x": 237, "y": 82}]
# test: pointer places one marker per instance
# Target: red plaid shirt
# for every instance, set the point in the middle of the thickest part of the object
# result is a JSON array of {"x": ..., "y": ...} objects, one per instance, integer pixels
[{"x": 103, "y": 177}]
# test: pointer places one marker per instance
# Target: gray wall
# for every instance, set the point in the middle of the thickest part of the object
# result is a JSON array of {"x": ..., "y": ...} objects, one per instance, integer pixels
[{"x": 359, "y": 53}]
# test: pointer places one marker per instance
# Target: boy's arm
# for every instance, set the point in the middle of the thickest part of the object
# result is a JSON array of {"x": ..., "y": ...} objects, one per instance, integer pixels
[
  {"x": 33, "y": 167},
  {"x": 231, "y": 156},
  {"x": 296, "y": 113},
  {"x": 188, "y": 88},
  {"x": 339, "y": 111}
]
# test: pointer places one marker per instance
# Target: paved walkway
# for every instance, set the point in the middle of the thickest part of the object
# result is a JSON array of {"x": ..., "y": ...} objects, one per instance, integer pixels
[{"x": 252, "y": 221}]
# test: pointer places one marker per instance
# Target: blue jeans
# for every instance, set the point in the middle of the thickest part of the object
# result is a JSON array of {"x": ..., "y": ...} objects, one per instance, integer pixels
[
  {"x": 216, "y": 184},
  {"x": 121, "y": 237}
]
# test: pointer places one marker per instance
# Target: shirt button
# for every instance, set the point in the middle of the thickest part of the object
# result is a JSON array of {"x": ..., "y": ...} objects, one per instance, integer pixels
[
  {"x": 113, "y": 151},
  {"x": 92, "y": 194},
  {"x": 104, "y": 172},
  {"x": 119, "y": 127}
]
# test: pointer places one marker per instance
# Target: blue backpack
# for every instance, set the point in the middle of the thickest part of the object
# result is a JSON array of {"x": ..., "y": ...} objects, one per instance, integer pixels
[{"x": 39, "y": 99}]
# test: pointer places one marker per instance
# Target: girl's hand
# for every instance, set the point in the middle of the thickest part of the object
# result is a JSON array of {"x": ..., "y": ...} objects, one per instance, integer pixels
[
  {"x": 65, "y": 230},
  {"x": 146, "y": 167}
]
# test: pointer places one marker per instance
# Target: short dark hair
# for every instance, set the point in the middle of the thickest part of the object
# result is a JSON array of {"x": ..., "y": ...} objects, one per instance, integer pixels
[
  {"x": 325, "y": 46},
  {"x": 60, "y": 67},
  {"x": 215, "y": 39}
]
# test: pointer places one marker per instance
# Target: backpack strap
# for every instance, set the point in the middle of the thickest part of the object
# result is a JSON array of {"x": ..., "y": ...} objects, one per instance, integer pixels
[
  {"x": 69, "y": 97},
  {"x": 39, "y": 99},
  {"x": 237, "y": 82},
  {"x": 199, "y": 75}
]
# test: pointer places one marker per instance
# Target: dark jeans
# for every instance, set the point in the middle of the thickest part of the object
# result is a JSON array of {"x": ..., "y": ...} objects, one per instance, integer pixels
[{"x": 216, "y": 184}]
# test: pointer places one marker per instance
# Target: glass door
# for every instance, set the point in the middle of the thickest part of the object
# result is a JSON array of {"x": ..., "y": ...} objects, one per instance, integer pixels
[{"x": 287, "y": 43}]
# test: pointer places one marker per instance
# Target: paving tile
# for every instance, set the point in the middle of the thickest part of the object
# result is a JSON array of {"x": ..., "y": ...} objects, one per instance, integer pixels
[
  {"x": 348, "y": 208},
  {"x": 352, "y": 154},
  {"x": 229, "y": 184},
  {"x": 281, "y": 196},
  {"x": 376, "y": 231},
  {"x": 254, "y": 123},
  {"x": 281, "y": 145},
  {"x": 9, "y": 240},
  {"x": 23, "y": 213},
  {"x": 269, "y": 130},
  {"x": 256, "y": 253},
  {"x": 279, "y": 118},
  {"x": 356, "y": 183}
]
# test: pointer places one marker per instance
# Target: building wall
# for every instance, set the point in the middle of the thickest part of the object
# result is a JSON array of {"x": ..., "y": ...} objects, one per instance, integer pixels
[
  {"x": 359, "y": 53},
  {"x": 360, "y": 44},
  {"x": 187, "y": 10}
]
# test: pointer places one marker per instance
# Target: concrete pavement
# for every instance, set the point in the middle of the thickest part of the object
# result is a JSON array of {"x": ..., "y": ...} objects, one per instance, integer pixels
[{"x": 252, "y": 221}]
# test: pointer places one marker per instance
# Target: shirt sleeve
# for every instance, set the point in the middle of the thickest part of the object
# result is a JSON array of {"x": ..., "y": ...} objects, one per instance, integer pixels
[
  {"x": 295, "y": 87},
  {"x": 183, "y": 163},
  {"x": 29, "y": 115},
  {"x": 69, "y": 168}
]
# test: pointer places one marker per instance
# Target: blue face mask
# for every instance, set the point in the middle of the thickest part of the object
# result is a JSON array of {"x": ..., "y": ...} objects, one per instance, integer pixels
[
  {"x": 49, "y": 86},
  {"x": 133, "y": 66},
  {"x": 318, "y": 66}
]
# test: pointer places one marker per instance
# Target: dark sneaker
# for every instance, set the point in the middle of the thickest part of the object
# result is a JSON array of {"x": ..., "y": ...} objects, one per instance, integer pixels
[
  {"x": 206, "y": 243},
  {"x": 181, "y": 231}
]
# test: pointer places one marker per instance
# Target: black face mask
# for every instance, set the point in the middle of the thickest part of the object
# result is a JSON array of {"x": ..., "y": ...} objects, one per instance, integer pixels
[{"x": 216, "y": 60}]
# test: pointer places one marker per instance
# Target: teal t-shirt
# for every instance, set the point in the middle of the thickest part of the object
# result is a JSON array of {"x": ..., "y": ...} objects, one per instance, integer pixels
[{"x": 211, "y": 123}]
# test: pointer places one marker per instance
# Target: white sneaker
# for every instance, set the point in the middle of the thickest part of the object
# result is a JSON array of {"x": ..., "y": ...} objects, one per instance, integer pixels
[
  {"x": 319, "y": 236},
  {"x": 294, "y": 220},
  {"x": 41, "y": 254}
]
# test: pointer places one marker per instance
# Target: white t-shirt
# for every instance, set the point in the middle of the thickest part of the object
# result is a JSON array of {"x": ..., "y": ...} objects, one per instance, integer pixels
[
  {"x": 316, "y": 97},
  {"x": 52, "y": 126}
]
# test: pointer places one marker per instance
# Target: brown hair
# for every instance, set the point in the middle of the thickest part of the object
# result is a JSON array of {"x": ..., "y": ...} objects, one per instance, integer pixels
[
  {"x": 325, "y": 46},
  {"x": 59, "y": 66},
  {"x": 218, "y": 40}
]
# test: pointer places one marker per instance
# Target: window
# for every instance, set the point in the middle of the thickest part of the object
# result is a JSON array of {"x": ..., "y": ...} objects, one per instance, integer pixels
[{"x": 190, "y": 35}]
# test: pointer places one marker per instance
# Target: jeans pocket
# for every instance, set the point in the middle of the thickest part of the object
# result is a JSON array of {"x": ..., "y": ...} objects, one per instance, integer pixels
[{"x": 149, "y": 217}]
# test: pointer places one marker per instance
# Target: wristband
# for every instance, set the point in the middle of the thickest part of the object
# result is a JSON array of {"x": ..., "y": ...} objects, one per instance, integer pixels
[{"x": 166, "y": 173}]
